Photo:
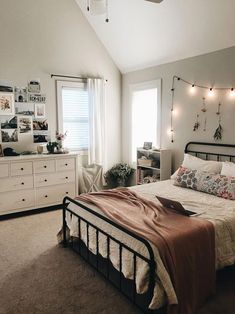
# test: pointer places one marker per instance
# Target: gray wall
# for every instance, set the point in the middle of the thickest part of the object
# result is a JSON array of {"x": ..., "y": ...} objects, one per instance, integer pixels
[
  {"x": 39, "y": 37},
  {"x": 218, "y": 69}
]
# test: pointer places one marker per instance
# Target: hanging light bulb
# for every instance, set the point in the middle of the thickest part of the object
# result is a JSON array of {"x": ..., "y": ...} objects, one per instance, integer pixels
[
  {"x": 211, "y": 92},
  {"x": 192, "y": 89},
  {"x": 232, "y": 92}
]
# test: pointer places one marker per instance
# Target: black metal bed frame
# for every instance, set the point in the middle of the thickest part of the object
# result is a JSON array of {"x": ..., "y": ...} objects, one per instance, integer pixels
[
  {"x": 95, "y": 260},
  {"x": 206, "y": 154}
]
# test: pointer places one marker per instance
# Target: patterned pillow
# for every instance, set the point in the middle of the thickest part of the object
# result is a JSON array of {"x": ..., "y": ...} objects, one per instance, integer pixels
[{"x": 216, "y": 184}]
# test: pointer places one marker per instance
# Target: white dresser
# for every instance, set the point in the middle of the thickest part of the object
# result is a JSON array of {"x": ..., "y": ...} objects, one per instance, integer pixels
[{"x": 36, "y": 181}]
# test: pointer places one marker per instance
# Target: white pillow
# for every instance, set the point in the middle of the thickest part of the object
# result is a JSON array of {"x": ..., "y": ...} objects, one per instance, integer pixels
[
  {"x": 196, "y": 163},
  {"x": 228, "y": 169}
]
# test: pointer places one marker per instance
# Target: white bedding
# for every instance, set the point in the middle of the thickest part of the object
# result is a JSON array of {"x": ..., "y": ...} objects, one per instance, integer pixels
[{"x": 219, "y": 211}]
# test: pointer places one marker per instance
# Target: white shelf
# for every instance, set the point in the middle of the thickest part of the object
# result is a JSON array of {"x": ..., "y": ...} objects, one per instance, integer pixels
[{"x": 162, "y": 161}]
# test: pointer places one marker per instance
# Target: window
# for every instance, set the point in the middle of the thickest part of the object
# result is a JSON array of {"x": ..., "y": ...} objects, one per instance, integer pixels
[
  {"x": 73, "y": 114},
  {"x": 145, "y": 115}
]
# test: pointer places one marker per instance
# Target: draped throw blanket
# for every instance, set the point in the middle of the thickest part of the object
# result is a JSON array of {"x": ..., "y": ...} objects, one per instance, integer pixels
[{"x": 186, "y": 245}]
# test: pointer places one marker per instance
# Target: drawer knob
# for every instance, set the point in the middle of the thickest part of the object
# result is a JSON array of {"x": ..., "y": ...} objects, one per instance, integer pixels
[
  {"x": 46, "y": 196},
  {"x": 45, "y": 180},
  {"x": 66, "y": 192},
  {"x": 45, "y": 166},
  {"x": 23, "y": 199},
  {"x": 22, "y": 183},
  {"x": 66, "y": 177},
  {"x": 21, "y": 169},
  {"x": 66, "y": 164}
]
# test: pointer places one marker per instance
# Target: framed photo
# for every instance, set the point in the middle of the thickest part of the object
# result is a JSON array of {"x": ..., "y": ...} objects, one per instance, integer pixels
[
  {"x": 7, "y": 104},
  {"x": 41, "y": 138},
  {"x": 37, "y": 98},
  {"x": 40, "y": 125},
  {"x": 25, "y": 109},
  {"x": 21, "y": 94},
  {"x": 25, "y": 124},
  {"x": 34, "y": 86},
  {"x": 9, "y": 135},
  {"x": 9, "y": 123},
  {"x": 39, "y": 110},
  {"x": 148, "y": 145},
  {"x": 1, "y": 151}
]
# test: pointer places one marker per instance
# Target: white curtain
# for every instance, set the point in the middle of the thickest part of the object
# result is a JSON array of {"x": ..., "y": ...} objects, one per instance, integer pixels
[{"x": 96, "y": 94}]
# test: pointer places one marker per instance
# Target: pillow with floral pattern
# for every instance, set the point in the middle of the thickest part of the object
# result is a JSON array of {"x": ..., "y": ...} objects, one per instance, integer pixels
[{"x": 216, "y": 184}]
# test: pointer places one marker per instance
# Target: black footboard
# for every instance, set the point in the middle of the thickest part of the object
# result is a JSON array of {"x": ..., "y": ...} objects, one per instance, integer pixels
[{"x": 104, "y": 265}]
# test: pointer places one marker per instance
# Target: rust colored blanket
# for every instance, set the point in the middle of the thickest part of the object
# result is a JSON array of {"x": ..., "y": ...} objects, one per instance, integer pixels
[{"x": 186, "y": 245}]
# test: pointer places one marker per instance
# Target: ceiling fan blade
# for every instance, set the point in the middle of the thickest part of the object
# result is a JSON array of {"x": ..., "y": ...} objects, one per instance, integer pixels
[{"x": 155, "y": 1}]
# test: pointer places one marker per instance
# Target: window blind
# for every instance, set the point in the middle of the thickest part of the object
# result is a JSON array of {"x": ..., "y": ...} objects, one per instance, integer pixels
[{"x": 75, "y": 117}]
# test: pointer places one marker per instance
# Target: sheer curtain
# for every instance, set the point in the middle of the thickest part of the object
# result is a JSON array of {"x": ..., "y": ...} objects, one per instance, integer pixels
[{"x": 96, "y": 99}]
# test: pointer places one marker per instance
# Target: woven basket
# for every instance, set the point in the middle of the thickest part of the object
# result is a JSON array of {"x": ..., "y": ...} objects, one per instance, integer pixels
[{"x": 145, "y": 162}]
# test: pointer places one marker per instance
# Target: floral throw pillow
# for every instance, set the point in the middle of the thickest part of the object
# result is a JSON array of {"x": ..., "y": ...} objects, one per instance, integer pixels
[{"x": 216, "y": 184}]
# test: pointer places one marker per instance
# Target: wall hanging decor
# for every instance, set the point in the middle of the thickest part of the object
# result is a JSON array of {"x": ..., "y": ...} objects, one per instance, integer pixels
[
  {"x": 219, "y": 130},
  {"x": 204, "y": 110},
  {"x": 23, "y": 112},
  {"x": 196, "y": 124},
  {"x": 210, "y": 90}
]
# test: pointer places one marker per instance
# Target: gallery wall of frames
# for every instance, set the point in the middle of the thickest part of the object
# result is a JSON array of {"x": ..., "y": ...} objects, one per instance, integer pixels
[{"x": 23, "y": 113}]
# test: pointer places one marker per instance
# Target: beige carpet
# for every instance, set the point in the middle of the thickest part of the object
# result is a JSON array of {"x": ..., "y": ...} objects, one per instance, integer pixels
[{"x": 37, "y": 276}]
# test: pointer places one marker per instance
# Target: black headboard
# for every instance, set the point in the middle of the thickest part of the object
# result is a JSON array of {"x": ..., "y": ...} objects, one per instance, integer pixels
[{"x": 211, "y": 151}]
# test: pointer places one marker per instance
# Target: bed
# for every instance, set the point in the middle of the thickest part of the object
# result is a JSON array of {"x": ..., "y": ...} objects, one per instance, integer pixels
[{"x": 132, "y": 263}]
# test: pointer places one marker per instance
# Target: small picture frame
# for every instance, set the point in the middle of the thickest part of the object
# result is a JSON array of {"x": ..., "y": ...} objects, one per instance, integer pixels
[
  {"x": 7, "y": 104},
  {"x": 39, "y": 110},
  {"x": 147, "y": 145},
  {"x": 1, "y": 151}
]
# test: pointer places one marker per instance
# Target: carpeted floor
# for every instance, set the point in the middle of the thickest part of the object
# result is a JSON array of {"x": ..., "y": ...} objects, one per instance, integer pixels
[{"x": 38, "y": 276}]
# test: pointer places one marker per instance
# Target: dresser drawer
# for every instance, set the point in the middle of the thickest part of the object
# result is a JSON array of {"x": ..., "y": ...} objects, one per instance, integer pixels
[
  {"x": 64, "y": 164},
  {"x": 16, "y": 183},
  {"x": 54, "y": 195},
  {"x": 21, "y": 168},
  {"x": 4, "y": 170},
  {"x": 43, "y": 166},
  {"x": 54, "y": 178},
  {"x": 16, "y": 200}
]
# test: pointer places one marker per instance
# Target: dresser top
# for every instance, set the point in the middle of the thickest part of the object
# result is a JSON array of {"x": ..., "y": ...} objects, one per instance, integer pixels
[{"x": 37, "y": 156}]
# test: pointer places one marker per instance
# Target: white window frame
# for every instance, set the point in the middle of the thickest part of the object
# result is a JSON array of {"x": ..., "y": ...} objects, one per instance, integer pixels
[
  {"x": 59, "y": 86},
  {"x": 143, "y": 86}
]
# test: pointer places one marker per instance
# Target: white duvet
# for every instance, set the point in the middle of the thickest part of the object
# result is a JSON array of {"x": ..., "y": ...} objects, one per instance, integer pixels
[{"x": 219, "y": 211}]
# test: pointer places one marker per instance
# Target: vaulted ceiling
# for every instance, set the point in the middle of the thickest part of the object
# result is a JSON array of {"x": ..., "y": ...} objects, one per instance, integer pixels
[{"x": 142, "y": 34}]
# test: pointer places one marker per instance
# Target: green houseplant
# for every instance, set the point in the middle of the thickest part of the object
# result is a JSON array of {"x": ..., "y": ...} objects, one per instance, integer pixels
[{"x": 118, "y": 175}]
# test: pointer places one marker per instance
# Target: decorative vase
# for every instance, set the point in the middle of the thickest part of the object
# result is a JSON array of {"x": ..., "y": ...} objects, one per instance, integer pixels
[{"x": 59, "y": 145}]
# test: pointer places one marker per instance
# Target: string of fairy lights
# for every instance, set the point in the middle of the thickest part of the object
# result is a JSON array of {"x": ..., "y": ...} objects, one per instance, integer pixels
[{"x": 194, "y": 86}]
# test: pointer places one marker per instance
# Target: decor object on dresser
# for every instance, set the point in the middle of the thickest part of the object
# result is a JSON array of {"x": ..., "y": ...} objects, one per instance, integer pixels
[
  {"x": 60, "y": 137},
  {"x": 153, "y": 165},
  {"x": 118, "y": 175},
  {"x": 51, "y": 146},
  {"x": 31, "y": 182}
]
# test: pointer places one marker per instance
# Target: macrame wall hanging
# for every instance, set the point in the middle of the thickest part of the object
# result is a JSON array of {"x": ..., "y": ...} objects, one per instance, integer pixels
[{"x": 219, "y": 130}]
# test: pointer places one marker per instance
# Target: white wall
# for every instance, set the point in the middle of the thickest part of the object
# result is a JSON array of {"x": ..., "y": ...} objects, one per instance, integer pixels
[
  {"x": 39, "y": 37},
  {"x": 217, "y": 69}
]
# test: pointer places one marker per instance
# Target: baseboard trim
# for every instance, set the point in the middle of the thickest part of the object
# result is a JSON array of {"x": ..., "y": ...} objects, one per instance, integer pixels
[{"x": 30, "y": 212}]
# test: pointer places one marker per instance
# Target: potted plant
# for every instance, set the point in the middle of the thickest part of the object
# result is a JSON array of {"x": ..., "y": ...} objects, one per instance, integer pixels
[
  {"x": 118, "y": 175},
  {"x": 51, "y": 147}
]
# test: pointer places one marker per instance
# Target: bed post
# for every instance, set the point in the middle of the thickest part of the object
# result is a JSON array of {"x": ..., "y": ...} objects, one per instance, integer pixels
[{"x": 64, "y": 228}]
